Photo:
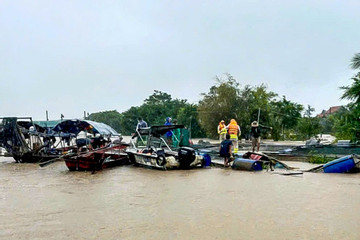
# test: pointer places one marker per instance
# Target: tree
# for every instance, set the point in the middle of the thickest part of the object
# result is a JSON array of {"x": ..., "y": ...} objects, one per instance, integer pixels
[
  {"x": 111, "y": 118},
  {"x": 226, "y": 100},
  {"x": 309, "y": 126},
  {"x": 342, "y": 125},
  {"x": 352, "y": 93},
  {"x": 285, "y": 116},
  {"x": 220, "y": 103},
  {"x": 154, "y": 110},
  {"x": 355, "y": 62},
  {"x": 188, "y": 116}
]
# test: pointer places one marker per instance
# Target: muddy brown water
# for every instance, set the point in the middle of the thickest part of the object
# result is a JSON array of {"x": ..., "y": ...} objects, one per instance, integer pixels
[{"x": 137, "y": 203}]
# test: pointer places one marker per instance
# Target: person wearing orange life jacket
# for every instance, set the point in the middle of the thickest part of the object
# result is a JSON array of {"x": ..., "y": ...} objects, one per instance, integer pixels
[
  {"x": 222, "y": 131},
  {"x": 234, "y": 131}
]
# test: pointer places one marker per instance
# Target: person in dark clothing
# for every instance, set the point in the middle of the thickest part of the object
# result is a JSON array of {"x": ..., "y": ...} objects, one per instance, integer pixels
[
  {"x": 97, "y": 141},
  {"x": 226, "y": 150},
  {"x": 141, "y": 124},
  {"x": 255, "y": 135}
]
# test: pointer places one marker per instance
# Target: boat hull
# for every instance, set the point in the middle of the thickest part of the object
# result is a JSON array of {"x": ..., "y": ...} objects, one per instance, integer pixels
[
  {"x": 97, "y": 160},
  {"x": 162, "y": 162}
]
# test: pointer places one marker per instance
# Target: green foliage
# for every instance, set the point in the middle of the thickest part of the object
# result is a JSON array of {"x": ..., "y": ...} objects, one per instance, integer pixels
[
  {"x": 227, "y": 100},
  {"x": 188, "y": 116},
  {"x": 128, "y": 120},
  {"x": 352, "y": 92},
  {"x": 111, "y": 118},
  {"x": 154, "y": 111},
  {"x": 220, "y": 103},
  {"x": 355, "y": 61},
  {"x": 259, "y": 98},
  {"x": 285, "y": 115},
  {"x": 349, "y": 126},
  {"x": 346, "y": 125},
  {"x": 308, "y": 126},
  {"x": 319, "y": 159}
]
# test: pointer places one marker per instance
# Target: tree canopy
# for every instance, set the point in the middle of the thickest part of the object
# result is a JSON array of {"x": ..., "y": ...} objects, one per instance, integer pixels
[{"x": 229, "y": 99}]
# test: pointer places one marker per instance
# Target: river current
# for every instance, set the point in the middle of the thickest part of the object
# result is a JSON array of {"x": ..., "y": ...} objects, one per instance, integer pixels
[{"x": 136, "y": 203}]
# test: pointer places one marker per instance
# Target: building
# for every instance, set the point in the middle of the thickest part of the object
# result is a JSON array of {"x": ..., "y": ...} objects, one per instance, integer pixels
[{"x": 330, "y": 111}]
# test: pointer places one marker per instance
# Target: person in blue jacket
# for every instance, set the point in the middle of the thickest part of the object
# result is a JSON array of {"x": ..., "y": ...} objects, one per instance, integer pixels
[{"x": 168, "y": 134}]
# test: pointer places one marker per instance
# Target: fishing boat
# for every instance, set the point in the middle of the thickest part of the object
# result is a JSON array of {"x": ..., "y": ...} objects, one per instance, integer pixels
[
  {"x": 150, "y": 149},
  {"x": 26, "y": 141},
  {"x": 110, "y": 156}
]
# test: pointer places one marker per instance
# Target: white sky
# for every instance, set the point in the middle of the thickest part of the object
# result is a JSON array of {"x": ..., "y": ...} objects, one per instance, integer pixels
[{"x": 74, "y": 56}]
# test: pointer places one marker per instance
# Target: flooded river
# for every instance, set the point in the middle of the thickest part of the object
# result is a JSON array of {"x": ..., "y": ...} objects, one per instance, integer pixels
[{"x": 136, "y": 203}]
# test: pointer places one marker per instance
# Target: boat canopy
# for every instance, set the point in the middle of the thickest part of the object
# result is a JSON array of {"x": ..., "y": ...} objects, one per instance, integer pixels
[
  {"x": 48, "y": 124},
  {"x": 27, "y": 126},
  {"x": 75, "y": 126},
  {"x": 156, "y": 131}
]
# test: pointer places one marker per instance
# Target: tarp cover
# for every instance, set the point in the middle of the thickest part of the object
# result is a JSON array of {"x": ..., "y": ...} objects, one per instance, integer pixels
[
  {"x": 157, "y": 131},
  {"x": 48, "y": 124},
  {"x": 75, "y": 126}
]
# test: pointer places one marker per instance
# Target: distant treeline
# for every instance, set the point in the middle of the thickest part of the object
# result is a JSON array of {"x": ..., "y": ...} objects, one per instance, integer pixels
[{"x": 227, "y": 99}]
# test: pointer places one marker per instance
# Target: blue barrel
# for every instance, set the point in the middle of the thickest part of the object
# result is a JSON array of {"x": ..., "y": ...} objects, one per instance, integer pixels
[
  {"x": 247, "y": 164},
  {"x": 341, "y": 165},
  {"x": 206, "y": 160}
]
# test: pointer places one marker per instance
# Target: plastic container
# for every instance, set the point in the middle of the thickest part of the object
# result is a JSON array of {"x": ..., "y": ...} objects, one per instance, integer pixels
[
  {"x": 341, "y": 165},
  {"x": 247, "y": 164},
  {"x": 207, "y": 160}
]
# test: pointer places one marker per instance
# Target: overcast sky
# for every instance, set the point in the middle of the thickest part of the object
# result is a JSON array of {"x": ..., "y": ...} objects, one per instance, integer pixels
[{"x": 74, "y": 56}]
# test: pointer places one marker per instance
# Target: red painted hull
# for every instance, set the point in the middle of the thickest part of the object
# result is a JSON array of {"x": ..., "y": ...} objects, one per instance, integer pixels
[{"x": 98, "y": 159}]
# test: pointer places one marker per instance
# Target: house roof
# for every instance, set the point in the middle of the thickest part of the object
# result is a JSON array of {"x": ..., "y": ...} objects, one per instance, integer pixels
[{"x": 331, "y": 110}]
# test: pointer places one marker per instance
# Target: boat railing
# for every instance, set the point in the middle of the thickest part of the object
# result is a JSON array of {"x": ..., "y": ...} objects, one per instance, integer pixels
[{"x": 165, "y": 144}]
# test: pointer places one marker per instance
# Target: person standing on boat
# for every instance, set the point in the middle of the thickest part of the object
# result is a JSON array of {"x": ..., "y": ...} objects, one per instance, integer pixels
[
  {"x": 226, "y": 150},
  {"x": 222, "y": 130},
  {"x": 234, "y": 131},
  {"x": 255, "y": 135},
  {"x": 141, "y": 124},
  {"x": 168, "y": 134}
]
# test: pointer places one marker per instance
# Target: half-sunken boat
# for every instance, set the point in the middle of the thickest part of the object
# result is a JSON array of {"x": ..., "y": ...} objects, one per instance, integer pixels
[
  {"x": 108, "y": 156},
  {"x": 26, "y": 141},
  {"x": 256, "y": 161},
  {"x": 96, "y": 151},
  {"x": 150, "y": 149}
]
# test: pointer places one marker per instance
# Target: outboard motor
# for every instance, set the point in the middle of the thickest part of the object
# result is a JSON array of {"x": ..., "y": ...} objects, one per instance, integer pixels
[{"x": 186, "y": 156}]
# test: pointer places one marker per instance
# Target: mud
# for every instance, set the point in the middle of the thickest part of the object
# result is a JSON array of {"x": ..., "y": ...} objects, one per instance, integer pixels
[{"x": 136, "y": 203}]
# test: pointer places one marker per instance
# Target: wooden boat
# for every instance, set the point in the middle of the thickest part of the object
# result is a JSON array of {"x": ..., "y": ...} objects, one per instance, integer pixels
[
  {"x": 151, "y": 150},
  {"x": 106, "y": 157}
]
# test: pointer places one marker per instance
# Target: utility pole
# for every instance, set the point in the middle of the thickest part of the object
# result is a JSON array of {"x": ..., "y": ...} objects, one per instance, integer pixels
[
  {"x": 47, "y": 115},
  {"x": 258, "y": 117}
]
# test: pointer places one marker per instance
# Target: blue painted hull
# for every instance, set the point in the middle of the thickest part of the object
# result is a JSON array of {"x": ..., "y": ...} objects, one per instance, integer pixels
[{"x": 341, "y": 165}]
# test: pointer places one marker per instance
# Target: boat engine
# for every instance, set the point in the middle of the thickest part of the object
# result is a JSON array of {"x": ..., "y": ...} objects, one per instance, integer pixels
[{"x": 186, "y": 156}]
